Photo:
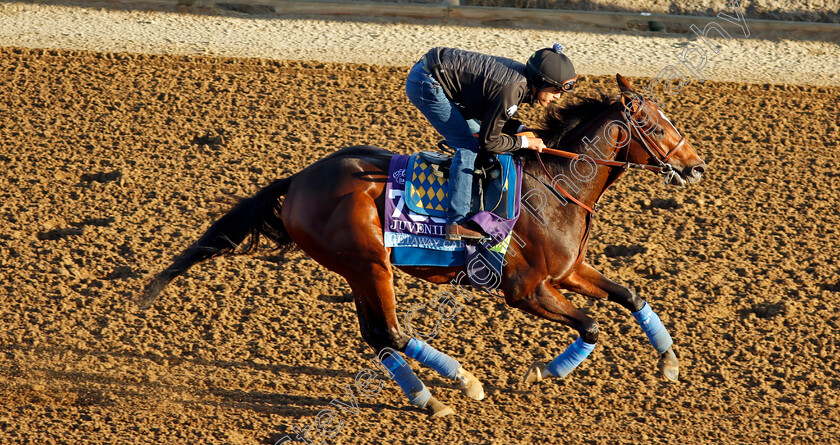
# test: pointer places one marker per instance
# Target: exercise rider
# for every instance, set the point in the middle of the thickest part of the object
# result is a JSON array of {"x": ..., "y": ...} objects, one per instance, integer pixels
[{"x": 463, "y": 93}]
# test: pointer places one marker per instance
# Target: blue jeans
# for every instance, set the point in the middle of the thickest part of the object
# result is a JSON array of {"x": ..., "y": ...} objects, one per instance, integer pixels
[{"x": 425, "y": 92}]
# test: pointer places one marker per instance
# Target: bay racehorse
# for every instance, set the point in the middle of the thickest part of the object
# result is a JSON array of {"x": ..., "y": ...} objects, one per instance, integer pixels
[{"x": 333, "y": 211}]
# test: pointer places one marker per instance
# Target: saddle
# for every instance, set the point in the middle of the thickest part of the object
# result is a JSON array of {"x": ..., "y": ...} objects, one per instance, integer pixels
[
  {"x": 428, "y": 176},
  {"x": 416, "y": 204},
  {"x": 485, "y": 163}
]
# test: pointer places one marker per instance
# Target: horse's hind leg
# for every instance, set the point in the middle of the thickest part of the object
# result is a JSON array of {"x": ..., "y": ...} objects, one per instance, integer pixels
[
  {"x": 373, "y": 291},
  {"x": 428, "y": 356},
  {"x": 446, "y": 366},
  {"x": 343, "y": 232},
  {"x": 585, "y": 280}
]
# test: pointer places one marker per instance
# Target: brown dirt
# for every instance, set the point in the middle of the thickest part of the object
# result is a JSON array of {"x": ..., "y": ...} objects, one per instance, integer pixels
[{"x": 113, "y": 163}]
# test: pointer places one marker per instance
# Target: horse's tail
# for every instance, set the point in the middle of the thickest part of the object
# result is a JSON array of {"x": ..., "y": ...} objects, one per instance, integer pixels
[{"x": 251, "y": 218}]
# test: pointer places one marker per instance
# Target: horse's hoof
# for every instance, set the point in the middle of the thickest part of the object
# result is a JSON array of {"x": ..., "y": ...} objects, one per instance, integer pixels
[
  {"x": 144, "y": 303},
  {"x": 536, "y": 373},
  {"x": 438, "y": 408},
  {"x": 669, "y": 365},
  {"x": 470, "y": 385},
  {"x": 149, "y": 294}
]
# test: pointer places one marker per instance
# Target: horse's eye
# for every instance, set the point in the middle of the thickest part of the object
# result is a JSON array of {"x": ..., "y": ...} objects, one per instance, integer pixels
[{"x": 659, "y": 131}]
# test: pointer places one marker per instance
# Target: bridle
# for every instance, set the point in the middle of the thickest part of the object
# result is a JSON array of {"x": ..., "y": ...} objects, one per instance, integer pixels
[
  {"x": 654, "y": 149},
  {"x": 659, "y": 154}
]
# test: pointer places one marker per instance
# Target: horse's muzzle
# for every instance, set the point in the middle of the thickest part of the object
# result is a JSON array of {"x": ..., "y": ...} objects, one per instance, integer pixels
[
  {"x": 694, "y": 174},
  {"x": 684, "y": 176}
]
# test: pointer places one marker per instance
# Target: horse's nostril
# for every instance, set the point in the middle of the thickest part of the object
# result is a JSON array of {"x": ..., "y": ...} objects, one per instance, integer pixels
[{"x": 698, "y": 170}]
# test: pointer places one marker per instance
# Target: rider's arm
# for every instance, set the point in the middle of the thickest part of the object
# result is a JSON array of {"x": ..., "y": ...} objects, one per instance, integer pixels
[
  {"x": 513, "y": 126},
  {"x": 493, "y": 136}
]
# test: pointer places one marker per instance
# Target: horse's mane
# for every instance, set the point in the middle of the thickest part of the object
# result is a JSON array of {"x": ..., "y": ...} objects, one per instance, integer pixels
[{"x": 559, "y": 123}]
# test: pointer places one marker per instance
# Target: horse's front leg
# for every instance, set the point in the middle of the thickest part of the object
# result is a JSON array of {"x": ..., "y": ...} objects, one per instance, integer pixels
[
  {"x": 585, "y": 280},
  {"x": 545, "y": 302}
]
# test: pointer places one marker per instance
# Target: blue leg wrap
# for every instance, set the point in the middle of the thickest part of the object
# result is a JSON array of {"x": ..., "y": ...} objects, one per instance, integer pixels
[
  {"x": 431, "y": 357},
  {"x": 654, "y": 329},
  {"x": 574, "y": 355},
  {"x": 416, "y": 391}
]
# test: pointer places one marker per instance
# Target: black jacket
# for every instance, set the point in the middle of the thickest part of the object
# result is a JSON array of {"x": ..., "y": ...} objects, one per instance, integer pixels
[{"x": 487, "y": 88}]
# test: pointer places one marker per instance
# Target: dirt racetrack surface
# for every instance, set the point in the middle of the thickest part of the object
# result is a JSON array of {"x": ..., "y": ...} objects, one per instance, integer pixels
[{"x": 111, "y": 164}]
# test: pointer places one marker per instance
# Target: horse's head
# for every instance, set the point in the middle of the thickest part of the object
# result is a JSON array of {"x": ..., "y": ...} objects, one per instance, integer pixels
[{"x": 654, "y": 140}]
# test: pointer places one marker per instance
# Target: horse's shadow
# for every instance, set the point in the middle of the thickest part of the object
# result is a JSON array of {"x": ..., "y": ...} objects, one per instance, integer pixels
[
  {"x": 86, "y": 385},
  {"x": 337, "y": 299}
]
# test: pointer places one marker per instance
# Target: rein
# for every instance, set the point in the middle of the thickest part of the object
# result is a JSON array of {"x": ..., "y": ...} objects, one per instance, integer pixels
[
  {"x": 653, "y": 148},
  {"x": 624, "y": 165},
  {"x": 554, "y": 186}
]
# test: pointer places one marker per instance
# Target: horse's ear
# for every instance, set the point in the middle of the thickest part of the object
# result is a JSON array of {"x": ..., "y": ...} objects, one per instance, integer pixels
[{"x": 623, "y": 84}]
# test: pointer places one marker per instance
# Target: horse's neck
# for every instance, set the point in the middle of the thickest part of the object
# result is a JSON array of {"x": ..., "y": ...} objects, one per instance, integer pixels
[{"x": 582, "y": 177}]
